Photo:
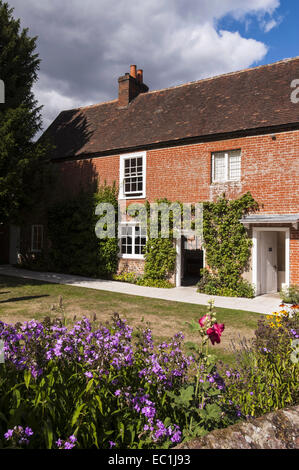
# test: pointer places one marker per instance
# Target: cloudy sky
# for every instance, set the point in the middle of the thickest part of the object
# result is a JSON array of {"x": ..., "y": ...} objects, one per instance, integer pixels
[{"x": 85, "y": 45}]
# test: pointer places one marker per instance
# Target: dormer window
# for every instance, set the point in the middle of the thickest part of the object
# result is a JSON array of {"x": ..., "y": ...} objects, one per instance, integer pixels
[{"x": 132, "y": 175}]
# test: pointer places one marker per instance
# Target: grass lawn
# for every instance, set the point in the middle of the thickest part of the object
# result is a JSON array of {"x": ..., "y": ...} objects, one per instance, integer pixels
[{"x": 25, "y": 299}]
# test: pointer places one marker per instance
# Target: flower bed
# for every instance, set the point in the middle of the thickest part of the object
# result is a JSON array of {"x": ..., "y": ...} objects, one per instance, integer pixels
[{"x": 109, "y": 386}]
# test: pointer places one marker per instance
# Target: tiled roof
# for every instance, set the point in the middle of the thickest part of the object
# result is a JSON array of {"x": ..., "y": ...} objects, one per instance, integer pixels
[{"x": 247, "y": 100}]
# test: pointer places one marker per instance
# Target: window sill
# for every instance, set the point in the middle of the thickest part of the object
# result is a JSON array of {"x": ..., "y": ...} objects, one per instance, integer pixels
[
  {"x": 131, "y": 198},
  {"x": 214, "y": 183},
  {"x": 131, "y": 256}
]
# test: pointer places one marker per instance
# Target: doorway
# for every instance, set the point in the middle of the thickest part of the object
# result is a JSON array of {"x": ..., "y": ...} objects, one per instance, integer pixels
[
  {"x": 192, "y": 261},
  {"x": 270, "y": 259}
]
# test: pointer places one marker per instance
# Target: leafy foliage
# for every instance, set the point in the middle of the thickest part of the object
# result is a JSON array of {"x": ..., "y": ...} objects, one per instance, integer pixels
[
  {"x": 75, "y": 248},
  {"x": 21, "y": 169},
  {"x": 106, "y": 386},
  {"x": 97, "y": 386},
  {"x": 160, "y": 253},
  {"x": 133, "y": 278},
  {"x": 227, "y": 247},
  {"x": 160, "y": 258},
  {"x": 266, "y": 378},
  {"x": 290, "y": 295}
]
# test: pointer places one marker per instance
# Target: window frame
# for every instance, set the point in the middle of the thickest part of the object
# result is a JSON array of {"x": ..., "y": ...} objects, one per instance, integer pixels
[
  {"x": 132, "y": 255},
  {"x": 41, "y": 227},
  {"x": 123, "y": 158},
  {"x": 226, "y": 179}
]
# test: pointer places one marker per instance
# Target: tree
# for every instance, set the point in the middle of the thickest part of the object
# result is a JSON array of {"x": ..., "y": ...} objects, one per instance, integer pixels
[{"x": 20, "y": 119}]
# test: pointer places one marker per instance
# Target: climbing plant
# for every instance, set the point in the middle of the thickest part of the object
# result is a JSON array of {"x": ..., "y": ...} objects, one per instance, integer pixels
[
  {"x": 160, "y": 253},
  {"x": 75, "y": 248},
  {"x": 227, "y": 247}
]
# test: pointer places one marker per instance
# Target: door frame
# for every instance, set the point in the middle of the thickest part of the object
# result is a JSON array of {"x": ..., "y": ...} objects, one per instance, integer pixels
[
  {"x": 255, "y": 261},
  {"x": 179, "y": 270}
]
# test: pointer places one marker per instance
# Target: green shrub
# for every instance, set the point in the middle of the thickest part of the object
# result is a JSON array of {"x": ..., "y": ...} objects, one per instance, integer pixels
[
  {"x": 147, "y": 282},
  {"x": 290, "y": 295},
  {"x": 102, "y": 387},
  {"x": 133, "y": 278},
  {"x": 126, "y": 277},
  {"x": 160, "y": 256},
  {"x": 266, "y": 377},
  {"x": 211, "y": 284},
  {"x": 75, "y": 249},
  {"x": 33, "y": 261},
  {"x": 227, "y": 247},
  {"x": 160, "y": 252}
]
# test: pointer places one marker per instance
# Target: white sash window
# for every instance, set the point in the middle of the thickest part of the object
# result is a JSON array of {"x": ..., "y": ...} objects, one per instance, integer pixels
[{"x": 226, "y": 166}]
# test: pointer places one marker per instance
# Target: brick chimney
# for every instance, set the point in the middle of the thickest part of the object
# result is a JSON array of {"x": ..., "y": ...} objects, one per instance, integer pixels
[{"x": 130, "y": 85}]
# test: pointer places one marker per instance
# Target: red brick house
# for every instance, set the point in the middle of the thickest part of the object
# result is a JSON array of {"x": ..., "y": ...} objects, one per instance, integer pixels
[{"x": 233, "y": 133}]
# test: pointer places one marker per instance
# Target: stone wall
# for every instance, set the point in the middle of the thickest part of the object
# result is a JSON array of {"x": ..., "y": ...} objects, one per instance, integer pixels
[{"x": 277, "y": 430}]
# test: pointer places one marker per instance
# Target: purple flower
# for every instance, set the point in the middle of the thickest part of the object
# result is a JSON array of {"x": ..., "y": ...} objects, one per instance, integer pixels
[
  {"x": 148, "y": 411},
  {"x": 59, "y": 443},
  {"x": 68, "y": 445},
  {"x": 176, "y": 437},
  {"x": 28, "y": 431},
  {"x": 18, "y": 435},
  {"x": 8, "y": 434}
]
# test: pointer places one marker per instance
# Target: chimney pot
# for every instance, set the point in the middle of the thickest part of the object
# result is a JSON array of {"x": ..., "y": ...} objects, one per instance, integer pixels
[
  {"x": 140, "y": 75},
  {"x": 133, "y": 71},
  {"x": 130, "y": 86}
]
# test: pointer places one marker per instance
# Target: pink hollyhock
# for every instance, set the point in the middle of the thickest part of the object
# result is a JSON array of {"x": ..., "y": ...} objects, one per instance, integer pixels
[
  {"x": 202, "y": 320},
  {"x": 214, "y": 333}
]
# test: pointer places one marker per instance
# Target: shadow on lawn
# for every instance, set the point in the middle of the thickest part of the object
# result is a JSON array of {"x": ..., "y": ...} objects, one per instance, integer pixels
[
  {"x": 7, "y": 282},
  {"x": 17, "y": 299}
]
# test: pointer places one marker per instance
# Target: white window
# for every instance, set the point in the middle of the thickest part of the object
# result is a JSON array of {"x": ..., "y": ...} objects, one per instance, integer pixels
[
  {"x": 37, "y": 238},
  {"x": 132, "y": 175},
  {"x": 132, "y": 241},
  {"x": 226, "y": 166}
]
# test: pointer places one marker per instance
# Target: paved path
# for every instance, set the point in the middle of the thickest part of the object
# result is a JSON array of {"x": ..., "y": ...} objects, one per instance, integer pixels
[{"x": 261, "y": 304}]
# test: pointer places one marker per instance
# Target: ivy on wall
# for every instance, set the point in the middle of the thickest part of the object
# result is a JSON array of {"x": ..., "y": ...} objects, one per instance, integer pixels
[
  {"x": 160, "y": 253},
  {"x": 227, "y": 247},
  {"x": 74, "y": 247}
]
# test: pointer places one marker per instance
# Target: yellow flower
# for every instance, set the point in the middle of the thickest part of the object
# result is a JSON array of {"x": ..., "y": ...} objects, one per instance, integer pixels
[{"x": 284, "y": 312}]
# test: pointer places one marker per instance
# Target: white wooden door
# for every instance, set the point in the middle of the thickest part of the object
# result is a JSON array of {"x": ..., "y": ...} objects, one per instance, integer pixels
[{"x": 268, "y": 262}]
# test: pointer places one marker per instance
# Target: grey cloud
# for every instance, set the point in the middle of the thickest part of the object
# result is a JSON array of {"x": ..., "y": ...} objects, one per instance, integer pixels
[{"x": 86, "y": 46}]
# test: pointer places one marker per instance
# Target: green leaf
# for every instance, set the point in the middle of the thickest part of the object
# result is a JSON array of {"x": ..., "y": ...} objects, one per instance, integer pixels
[
  {"x": 89, "y": 385},
  {"x": 77, "y": 414},
  {"x": 27, "y": 377},
  {"x": 100, "y": 404},
  {"x": 48, "y": 431}
]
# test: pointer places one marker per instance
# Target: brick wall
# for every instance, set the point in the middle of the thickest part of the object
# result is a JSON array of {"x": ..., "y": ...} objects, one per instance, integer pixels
[
  {"x": 270, "y": 170},
  {"x": 130, "y": 266},
  {"x": 294, "y": 257}
]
